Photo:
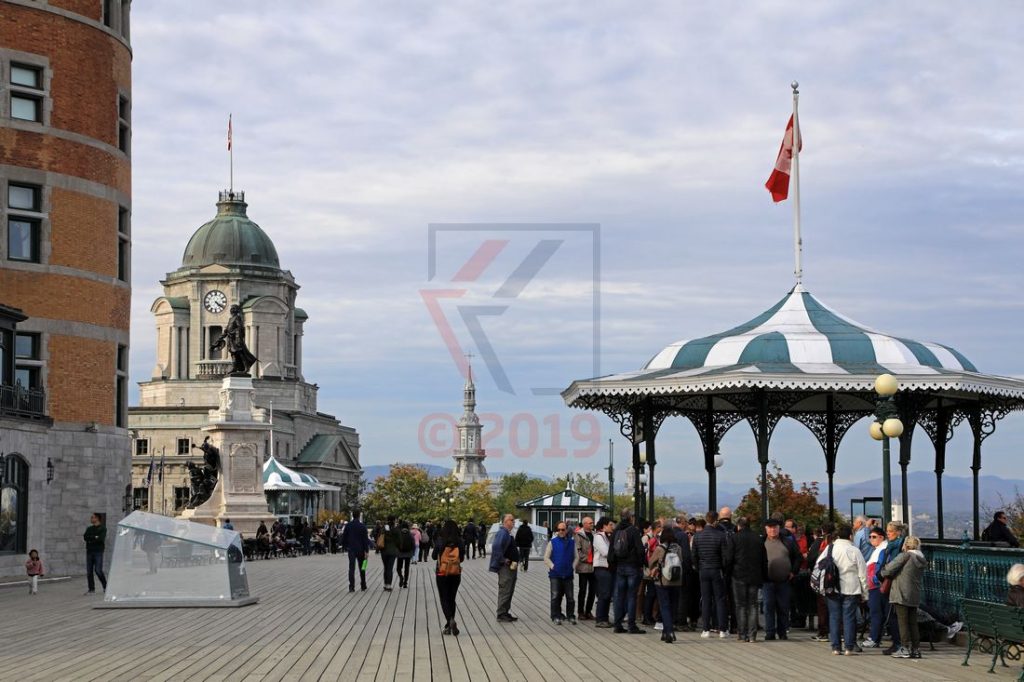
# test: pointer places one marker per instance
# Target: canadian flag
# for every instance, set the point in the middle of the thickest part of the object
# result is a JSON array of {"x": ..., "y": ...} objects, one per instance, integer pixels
[{"x": 778, "y": 181}]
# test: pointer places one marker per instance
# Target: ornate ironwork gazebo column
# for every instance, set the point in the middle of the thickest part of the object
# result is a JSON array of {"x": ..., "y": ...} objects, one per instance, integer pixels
[
  {"x": 983, "y": 418},
  {"x": 938, "y": 424},
  {"x": 763, "y": 436}
]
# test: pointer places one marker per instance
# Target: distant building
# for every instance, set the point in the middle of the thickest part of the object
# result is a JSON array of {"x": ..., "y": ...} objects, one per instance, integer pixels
[
  {"x": 65, "y": 275},
  {"x": 469, "y": 456},
  {"x": 230, "y": 260},
  {"x": 566, "y": 505}
]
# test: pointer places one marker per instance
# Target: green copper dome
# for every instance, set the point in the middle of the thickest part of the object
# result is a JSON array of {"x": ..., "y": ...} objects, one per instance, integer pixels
[{"x": 230, "y": 238}]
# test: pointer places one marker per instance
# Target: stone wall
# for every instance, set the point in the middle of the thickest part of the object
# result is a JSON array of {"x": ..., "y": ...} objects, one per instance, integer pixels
[{"x": 91, "y": 471}]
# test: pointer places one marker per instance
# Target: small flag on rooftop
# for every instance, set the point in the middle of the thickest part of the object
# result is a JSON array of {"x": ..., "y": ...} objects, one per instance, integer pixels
[{"x": 229, "y": 132}]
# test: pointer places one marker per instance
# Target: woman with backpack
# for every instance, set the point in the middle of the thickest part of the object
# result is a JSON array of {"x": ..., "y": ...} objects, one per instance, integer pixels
[
  {"x": 449, "y": 553},
  {"x": 665, "y": 569}
]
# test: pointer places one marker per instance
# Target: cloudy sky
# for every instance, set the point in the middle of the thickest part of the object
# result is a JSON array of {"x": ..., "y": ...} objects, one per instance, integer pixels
[{"x": 635, "y": 146}]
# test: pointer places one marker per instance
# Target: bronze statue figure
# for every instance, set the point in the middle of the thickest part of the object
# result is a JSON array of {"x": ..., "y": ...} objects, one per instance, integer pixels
[
  {"x": 203, "y": 479},
  {"x": 233, "y": 337}
]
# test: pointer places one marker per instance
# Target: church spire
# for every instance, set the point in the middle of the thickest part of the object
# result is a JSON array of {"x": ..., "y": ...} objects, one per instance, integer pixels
[
  {"x": 469, "y": 455},
  {"x": 469, "y": 392}
]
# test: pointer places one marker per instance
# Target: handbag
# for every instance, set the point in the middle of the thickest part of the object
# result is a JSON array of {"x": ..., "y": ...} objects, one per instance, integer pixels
[{"x": 886, "y": 585}]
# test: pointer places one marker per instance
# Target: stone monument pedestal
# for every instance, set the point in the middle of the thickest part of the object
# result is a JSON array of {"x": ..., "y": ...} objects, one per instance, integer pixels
[{"x": 239, "y": 430}]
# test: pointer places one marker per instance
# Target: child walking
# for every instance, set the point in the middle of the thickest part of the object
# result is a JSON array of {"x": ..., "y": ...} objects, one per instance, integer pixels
[{"x": 34, "y": 568}]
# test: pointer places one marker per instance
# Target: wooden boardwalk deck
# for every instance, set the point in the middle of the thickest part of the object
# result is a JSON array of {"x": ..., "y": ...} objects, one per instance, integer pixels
[{"x": 308, "y": 627}]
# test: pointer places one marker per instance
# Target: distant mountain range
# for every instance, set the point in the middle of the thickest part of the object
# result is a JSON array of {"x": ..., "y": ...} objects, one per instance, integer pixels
[
  {"x": 957, "y": 492},
  {"x": 693, "y": 495}
]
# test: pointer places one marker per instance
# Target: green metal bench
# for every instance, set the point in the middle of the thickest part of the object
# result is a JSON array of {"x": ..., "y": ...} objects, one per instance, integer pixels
[{"x": 998, "y": 626}]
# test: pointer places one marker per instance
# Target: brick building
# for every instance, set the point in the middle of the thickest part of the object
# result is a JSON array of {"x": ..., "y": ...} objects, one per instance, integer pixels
[{"x": 65, "y": 265}]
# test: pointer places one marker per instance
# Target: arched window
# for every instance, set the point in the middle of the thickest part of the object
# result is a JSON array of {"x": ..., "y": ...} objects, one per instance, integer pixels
[{"x": 13, "y": 505}]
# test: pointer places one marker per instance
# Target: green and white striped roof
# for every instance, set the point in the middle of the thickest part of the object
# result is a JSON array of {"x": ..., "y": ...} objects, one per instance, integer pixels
[
  {"x": 799, "y": 343},
  {"x": 802, "y": 334},
  {"x": 277, "y": 476},
  {"x": 565, "y": 499}
]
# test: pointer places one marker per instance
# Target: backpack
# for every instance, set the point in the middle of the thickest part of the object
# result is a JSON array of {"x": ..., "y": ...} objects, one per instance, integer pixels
[
  {"x": 672, "y": 566},
  {"x": 825, "y": 577},
  {"x": 405, "y": 543},
  {"x": 621, "y": 549},
  {"x": 448, "y": 563}
]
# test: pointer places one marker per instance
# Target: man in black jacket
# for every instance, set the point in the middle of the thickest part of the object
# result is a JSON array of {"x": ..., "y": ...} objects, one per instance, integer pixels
[
  {"x": 628, "y": 567},
  {"x": 355, "y": 541},
  {"x": 708, "y": 546},
  {"x": 524, "y": 541},
  {"x": 746, "y": 558},
  {"x": 469, "y": 535},
  {"x": 998, "y": 531}
]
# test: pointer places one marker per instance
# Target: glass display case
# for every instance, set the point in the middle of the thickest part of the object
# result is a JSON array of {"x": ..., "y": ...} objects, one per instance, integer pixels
[{"x": 167, "y": 562}]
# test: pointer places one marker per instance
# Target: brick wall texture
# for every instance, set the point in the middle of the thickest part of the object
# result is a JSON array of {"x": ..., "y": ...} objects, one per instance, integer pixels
[{"x": 87, "y": 70}]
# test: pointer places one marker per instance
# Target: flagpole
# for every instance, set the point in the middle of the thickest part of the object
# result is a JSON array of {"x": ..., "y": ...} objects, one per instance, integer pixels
[
  {"x": 163, "y": 491},
  {"x": 271, "y": 429},
  {"x": 797, "y": 240},
  {"x": 231, "y": 156}
]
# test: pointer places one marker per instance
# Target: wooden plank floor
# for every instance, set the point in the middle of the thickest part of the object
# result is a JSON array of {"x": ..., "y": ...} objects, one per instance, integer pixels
[{"x": 308, "y": 627}]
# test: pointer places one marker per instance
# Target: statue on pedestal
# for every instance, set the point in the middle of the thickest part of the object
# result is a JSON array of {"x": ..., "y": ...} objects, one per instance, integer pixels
[{"x": 233, "y": 337}]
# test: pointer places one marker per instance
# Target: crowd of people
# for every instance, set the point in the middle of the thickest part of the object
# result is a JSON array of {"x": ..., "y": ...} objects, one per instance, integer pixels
[
  {"x": 706, "y": 575},
  {"x": 718, "y": 578}
]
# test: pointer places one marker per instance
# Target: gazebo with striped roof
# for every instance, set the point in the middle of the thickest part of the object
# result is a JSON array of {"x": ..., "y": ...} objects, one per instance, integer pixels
[
  {"x": 803, "y": 360},
  {"x": 561, "y": 506}
]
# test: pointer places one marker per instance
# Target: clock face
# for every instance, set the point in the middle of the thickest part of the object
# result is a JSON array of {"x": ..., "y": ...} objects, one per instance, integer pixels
[{"x": 215, "y": 301}]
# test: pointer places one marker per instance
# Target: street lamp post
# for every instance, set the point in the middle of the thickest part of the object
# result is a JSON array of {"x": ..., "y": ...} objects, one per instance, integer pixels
[
  {"x": 611, "y": 478},
  {"x": 448, "y": 500},
  {"x": 886, "y": 425},
  {"x": 641, "y": 481}
]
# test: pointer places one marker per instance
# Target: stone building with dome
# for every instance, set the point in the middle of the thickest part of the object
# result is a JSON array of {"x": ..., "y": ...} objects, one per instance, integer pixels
[{"x": 231, "y": 260}]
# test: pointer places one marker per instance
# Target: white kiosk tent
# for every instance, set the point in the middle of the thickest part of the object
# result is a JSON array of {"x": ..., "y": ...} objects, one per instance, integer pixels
[
  {"x": 290, "y": 493},
  {"x": 566, "y": 505}
]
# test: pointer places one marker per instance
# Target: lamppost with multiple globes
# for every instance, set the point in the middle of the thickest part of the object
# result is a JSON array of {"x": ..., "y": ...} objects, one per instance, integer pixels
[
  {"x": 886, "y": 425},
  {"x": 641, "y": 482},
  {"x": 449, "y": 500}
]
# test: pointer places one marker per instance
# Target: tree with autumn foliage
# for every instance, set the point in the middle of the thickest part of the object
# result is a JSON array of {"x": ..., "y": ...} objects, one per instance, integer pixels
[
  {"x": 799, "y": 504},
  {"x": 473, "y": 503},
  {"x": 407, "y": 492}
]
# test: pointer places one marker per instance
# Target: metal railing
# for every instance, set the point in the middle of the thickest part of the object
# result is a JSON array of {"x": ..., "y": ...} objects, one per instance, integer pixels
[
  {"x": 957, "y": 572},
  {"x": 18, "y": 401}
]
